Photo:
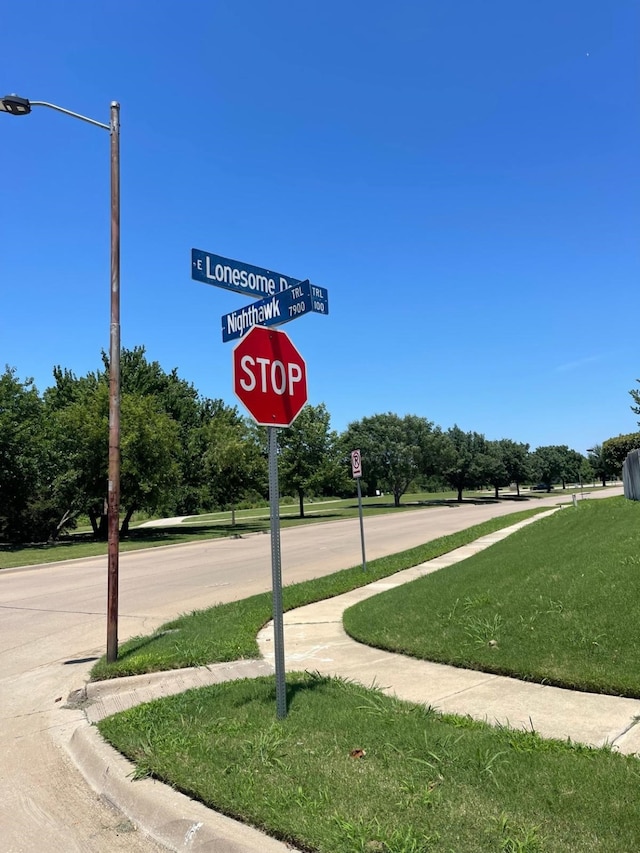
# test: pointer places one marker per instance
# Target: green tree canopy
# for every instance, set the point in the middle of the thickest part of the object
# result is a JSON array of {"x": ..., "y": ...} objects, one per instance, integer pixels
[
  {"x": 180, "y": 400},
  {"x": 517, "y": 460},
  {"x": 635, "y": 396},
  {"x": 615, "y": 451},
  {"x": 233, "y": 462},
  {"x": 495, "y": 465},
  {"x": 601, "y": 464},
  {"x": 150, "y": 449},
  {"x": 309, "y": 458},
  {"x": 395, "y": 451},
  {"x": 547, "y": 464},
  {"x": 27, "y": 508},
  {"x": 465, "y": 460}
]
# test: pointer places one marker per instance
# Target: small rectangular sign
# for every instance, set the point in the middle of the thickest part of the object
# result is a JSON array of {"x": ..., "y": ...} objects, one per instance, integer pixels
[
  {"x": 274, "y": 310},
  {"x": 356, "y": 464},
  {"x": 244, "y": 278}
]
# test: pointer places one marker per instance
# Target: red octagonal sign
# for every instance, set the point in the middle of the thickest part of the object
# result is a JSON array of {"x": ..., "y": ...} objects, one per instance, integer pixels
[{"x": 269, "y": 377}]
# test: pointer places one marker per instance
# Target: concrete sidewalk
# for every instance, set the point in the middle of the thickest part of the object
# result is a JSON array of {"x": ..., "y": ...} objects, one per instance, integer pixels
[{"x": 315, "y": 640}]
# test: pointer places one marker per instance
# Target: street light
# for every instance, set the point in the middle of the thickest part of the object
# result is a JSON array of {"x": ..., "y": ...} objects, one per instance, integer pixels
[{"x": 15, "y": 105}]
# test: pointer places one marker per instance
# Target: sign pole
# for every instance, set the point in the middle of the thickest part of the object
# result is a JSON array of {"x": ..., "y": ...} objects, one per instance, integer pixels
[
  {"x": 364, "y": 559},
  {"x": 356, "y": 473},
  {"x": 276, "y": 574}
]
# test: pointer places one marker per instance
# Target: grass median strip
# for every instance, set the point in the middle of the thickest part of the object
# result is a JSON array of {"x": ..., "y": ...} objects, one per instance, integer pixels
[
  {"x": 558, "y": 602},
  {"x": 353, "y": 771},
  {"x": 228, "y": 631}
]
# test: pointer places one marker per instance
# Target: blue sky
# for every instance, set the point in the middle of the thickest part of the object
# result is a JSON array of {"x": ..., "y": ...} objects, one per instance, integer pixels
[{"x": 462, "y": 177}]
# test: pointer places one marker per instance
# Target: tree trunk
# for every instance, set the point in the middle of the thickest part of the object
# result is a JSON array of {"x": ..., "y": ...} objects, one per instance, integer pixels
[
  {"x": 94, "y": 522},
  {"x": 301, "y": 501},
  {"x": 63, "y": 521},
  {"x": 99, "y": 525},
  {"x": 604, "y": 481},
  {"x": 233, "y": 516},
  {"x": 518, "y": 489},
  {"x": 459, "y": 494},
  {"x": 124, "y": 530},
  {"x": 496, "y": 492},
  {"x": 396, "y": 499}
]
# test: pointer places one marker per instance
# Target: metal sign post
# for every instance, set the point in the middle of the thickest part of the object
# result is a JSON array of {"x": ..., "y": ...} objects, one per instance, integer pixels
[
  {"x": 276, "y": 574},
  {"x": 356, "y": 471},
  {"x": 269, "y": 377}
]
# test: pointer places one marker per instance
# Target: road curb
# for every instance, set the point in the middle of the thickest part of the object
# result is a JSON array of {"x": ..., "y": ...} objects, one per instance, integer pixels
[
  {"x": 165, "y": 815},
  {"x": 168, "y": 817}
]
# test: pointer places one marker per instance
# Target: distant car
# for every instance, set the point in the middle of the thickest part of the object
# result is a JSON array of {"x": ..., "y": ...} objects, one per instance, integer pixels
[{"x": 541, "y": 487}]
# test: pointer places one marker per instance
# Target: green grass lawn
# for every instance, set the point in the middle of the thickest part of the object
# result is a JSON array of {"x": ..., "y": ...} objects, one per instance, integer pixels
[
  {"x": 558, "y": 602},
  {"x": 228, "y": 631},
  {"x": 350, "y": 770},
  {"x": 353, "y": 771}
]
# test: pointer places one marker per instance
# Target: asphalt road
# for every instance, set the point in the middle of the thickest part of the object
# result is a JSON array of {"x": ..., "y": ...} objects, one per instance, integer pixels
[{"x": 53, "y": 626}]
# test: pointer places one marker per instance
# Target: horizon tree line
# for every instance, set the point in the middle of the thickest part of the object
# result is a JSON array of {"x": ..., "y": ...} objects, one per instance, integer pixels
[{"x": 182, "y": 453}]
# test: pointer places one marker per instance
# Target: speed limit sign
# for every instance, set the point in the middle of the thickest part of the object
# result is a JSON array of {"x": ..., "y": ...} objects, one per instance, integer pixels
[{"x": 356, "y": 464}]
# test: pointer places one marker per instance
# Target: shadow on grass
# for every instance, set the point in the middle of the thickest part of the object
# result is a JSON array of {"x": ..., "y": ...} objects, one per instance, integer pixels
[
  {"x": 135, "y": 644},
  {"x": 179, "y": 532},
  {"x": 450, "y": 502},
  {"x": 314, "y": 516},
  {"x": 143, "y": 536},
  {"x": 8, "y": 548},
  {"x": 297, "y": 684}
]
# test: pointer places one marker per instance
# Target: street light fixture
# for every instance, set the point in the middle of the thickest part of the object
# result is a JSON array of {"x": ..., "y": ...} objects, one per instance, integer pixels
[{"x": 15, "y": 105}]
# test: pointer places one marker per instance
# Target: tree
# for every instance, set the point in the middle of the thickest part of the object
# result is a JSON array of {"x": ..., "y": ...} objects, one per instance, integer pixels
[
  {"x": 395, "y": 451},
  {"x": 615, "y": 451},
  {"x": 168, "y": 477},
  {"x": 517, "y": 460},
  {"x": 600, "y": 463},
  {"x": 635, "y": 396},
  {"x": 494, "y": 466},
  {"x": 505, "y": 463},
  {"x": 202, "y": 487},
  {"x": 180, "y": 400},
  {"x": 464, "y": 460},
  {"x": 547, "y": 465},
  {"x": 150, "y": 449},
  {"x": 79, "y": 419},
  {"x": 308, "y": 458},
  {"x": 28, "y": 511},
  {"x": 570, "y": 464},
  {"x": 233, "y": 463}
]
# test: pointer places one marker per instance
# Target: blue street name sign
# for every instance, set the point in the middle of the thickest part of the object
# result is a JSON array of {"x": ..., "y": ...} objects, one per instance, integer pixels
[
  {"x": 275, "y": 310},
  {"x": 241, "y": 277}
]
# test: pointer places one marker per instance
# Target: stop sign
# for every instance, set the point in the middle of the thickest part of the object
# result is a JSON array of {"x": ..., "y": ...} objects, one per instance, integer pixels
[{"x": 269, "y": 377}]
